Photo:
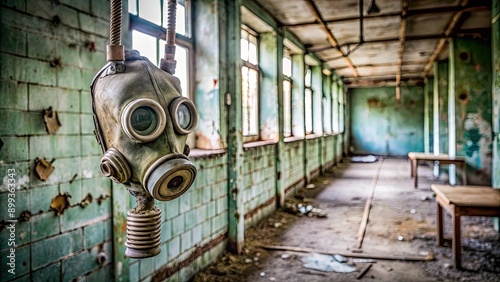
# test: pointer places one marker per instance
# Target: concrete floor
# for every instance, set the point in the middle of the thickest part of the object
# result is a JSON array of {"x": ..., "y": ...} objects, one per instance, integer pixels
[{"x": 397, "y": 210}]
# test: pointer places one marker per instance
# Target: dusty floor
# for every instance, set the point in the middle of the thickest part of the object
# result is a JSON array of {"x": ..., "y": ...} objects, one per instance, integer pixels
[{"x": 401, "y": 222}]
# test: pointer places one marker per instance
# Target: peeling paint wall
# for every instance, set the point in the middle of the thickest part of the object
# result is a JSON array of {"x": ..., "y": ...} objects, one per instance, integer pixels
[
  {"x": 473, "y": 106},
  {"x": 495, "y": 47},
  {"x": 49, "y": 53},
  {"x": 77, "y": 215},
  {"x": 208, "y": 131},
  {"x": 382, "y": 126},
  {"x": 443, "y": 106}
]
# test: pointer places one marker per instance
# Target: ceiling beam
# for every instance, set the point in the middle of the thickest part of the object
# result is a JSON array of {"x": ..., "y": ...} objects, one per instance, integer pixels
[
  {"x": 452, "y": 25},
  {"x": 401, "y": 47},
  {"x": 412, "y": 12},
  {"x": 380, "y": 40},
  {"x": 407, "y": 63},
  {"x": 331, "y": 38},
  {"x": 392, "y": 76}
]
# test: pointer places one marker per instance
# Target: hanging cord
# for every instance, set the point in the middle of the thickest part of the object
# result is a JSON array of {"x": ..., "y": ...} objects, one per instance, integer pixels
[
  {"x": 168, "y": 63},
  {"x": 114, "y": 50}
]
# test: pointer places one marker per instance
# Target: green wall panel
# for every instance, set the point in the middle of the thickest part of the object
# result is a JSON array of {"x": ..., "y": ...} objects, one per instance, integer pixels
[{"x": 382, "y": 126}]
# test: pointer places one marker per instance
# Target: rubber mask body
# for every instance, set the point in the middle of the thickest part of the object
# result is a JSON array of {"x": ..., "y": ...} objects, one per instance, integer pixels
[{"x": 134, "y": 122}]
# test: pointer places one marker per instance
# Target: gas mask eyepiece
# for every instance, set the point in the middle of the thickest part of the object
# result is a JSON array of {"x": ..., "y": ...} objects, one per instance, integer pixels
[
  {"x": 184, "y": 116},
  {"x": 143, "y": 120}
]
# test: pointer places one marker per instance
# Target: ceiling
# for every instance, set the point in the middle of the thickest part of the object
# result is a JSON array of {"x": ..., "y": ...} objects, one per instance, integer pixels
[{"x": 396, "y": 46}]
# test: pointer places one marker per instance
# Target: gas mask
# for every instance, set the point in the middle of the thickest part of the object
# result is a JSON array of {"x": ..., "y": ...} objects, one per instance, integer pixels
[{"x": 142, "y": 122}]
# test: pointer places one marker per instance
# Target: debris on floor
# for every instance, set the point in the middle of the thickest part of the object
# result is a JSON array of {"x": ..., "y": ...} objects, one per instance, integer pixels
[
  {"x": 364, "y": 271},
  {"x": 364, "y": 159},
  {"x": 301, "y": 209},
  {"x": 326, "y": 263}
]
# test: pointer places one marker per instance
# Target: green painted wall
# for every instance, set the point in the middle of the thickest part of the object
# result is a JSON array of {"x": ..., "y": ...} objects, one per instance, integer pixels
[
  {"x": 495, "y": 48},
  {"x": 382, "y": 126},
  {"x": 47, "y": 60},
  {"x": 442, "y": 80},
  {"x": 473, "y": 106},
  {"x": 236, "y": 185}
]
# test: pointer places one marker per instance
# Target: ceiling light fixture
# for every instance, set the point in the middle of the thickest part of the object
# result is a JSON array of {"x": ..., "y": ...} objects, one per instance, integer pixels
[{"x": 373, "y": 8}]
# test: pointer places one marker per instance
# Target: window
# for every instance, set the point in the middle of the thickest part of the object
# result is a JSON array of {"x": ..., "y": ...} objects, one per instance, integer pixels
[
  {"x": 335, "y": 106},
  {"x": 148, "y": 25},
  {"x": 250, "y": 82},
  {"x": 308, "y": 102},
  {"x": 287, "y": 94}
]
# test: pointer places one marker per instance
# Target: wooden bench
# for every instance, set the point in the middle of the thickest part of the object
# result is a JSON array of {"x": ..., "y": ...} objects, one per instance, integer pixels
[
  {"x": 463, "y": 201},
  {"x": 415, "y": 157}
]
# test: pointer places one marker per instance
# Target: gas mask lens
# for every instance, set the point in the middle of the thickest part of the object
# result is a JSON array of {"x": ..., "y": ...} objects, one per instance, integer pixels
[
  {"x": 143, "y": 120},
  {"x": 184, "y": 115}
]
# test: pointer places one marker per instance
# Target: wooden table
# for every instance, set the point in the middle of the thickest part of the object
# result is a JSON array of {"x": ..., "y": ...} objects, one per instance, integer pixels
[
  {"x": 463, "y": 201},
  {"x": 440, "y": 158}
]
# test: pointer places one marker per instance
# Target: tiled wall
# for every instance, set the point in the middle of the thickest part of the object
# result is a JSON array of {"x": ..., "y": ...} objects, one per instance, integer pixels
[
  {"x": 259, "y": 180},
  {"x": 49, "y": 53},
  {"x": 293, "y": 164},
  {"x": 194, "y": 227}
]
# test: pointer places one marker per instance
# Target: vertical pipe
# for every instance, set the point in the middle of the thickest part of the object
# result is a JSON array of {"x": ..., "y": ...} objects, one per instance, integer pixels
[
  {"x": 451, "y": 113},
  {"x": 168, "y": 62},
  {"x": 495, "y": 47},
  {"x": 426, "y": 117},
  {"x": 231, "y": 33},
  {"x": 435, "y": 116},
  {"x": 115, "y": 51}
]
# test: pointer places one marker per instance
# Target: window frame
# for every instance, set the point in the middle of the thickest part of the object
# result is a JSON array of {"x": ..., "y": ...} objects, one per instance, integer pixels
[
  {"x": 287, "y": 79},
  {"x": 308, "y": 88},
  {"x": 142, "y": 25},
  {"x": 251, "y": 136}
]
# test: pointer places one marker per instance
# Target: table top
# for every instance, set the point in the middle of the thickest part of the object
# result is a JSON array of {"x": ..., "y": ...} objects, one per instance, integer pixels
[
  {"x": 431, "y": 156},
  {"x": 468, "y": 196}
]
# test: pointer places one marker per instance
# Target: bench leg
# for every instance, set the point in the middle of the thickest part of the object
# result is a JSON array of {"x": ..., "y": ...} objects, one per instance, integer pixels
[
  {"x": 415, "y": 173},
  {"x": 411, "y": 168},
  {"x": 464, "y": 174},
  {"x": 456, "y": 240},
  {"x": 439, "y": 224}
]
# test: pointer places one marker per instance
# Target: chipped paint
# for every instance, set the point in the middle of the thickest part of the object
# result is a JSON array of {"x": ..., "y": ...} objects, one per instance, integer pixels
[
  {"x": 496, "y": 98},
  {"x": 473, "y": 106},
  {"x": 60, "y": 203},
  {"x": 383, "y": 126}
]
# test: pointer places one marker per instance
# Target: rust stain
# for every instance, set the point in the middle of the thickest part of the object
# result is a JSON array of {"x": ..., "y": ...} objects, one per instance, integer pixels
[
  {"x": 102, "y": 198},
  {"x": 25, "y": 216},
  {"x": 260, "y": 207},
  {"x": 375, "y": 103},
  {"x": 87, "y": 200},
  {"x": 60, "y": 203}
]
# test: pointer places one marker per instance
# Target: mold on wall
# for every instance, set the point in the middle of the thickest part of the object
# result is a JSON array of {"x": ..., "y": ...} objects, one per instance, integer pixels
[
  {"x": 442, "y": 69},
  {"x": 208, "y": 131},
  {"x": 382, "y": 126},
  {"x": 473, "y": 106},
  {"x": 495, "y": 47}
]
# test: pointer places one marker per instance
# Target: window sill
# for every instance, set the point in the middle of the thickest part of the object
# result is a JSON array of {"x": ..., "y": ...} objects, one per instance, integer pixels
[
  {"x": 293, "y": 139},
  {"x": 259, "y": 143},
  {"x": 313, "y": 136},
  {"x": 201, "y": 153}
]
